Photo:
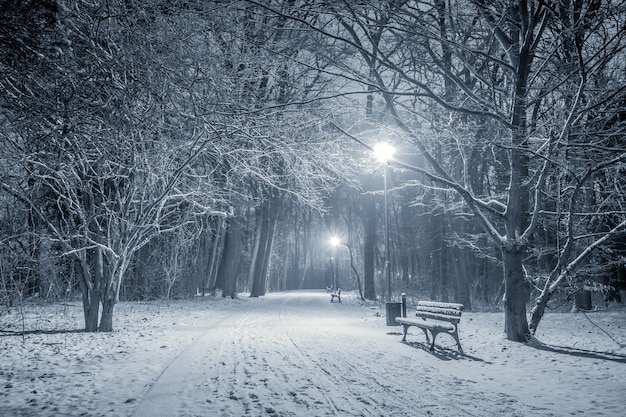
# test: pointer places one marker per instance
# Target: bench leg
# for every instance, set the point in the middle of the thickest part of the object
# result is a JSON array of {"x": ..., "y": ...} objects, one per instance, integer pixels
[
  {"x": 428, "y": 338},
  {"x": 454, "y": 334},
  {"x": 434, "y": 333},
  {"x": 458, "y": 342},
  {"x": 406, "y": 329}
]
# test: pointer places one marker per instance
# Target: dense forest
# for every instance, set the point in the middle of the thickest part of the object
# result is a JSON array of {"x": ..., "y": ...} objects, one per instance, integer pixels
[{"x": 167, "y": 148}]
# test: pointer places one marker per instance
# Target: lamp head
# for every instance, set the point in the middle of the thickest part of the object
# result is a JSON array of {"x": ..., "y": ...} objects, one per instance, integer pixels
[{"x": 384, "y": 152}]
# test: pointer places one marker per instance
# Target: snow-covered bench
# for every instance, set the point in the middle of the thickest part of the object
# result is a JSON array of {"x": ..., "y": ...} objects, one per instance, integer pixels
[
  {"x": 336, "y": 295},
  {"x": 436, "y": 318}
]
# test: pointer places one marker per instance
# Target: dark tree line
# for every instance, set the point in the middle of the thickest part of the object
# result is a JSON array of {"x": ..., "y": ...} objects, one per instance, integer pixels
[{"x": 166, "y": 148}]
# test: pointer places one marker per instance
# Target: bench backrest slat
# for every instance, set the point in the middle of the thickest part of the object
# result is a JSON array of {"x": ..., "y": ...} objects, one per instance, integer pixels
[
  {"x": 435, "y": 304},
  {"x": 440, "y": 317},
  {"x": 440, "y": 311},
  {"x": 450, "y": 312}
]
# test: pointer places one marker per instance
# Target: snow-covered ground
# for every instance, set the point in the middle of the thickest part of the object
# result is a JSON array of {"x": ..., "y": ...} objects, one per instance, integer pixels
[{"x": 296, "y": 354}]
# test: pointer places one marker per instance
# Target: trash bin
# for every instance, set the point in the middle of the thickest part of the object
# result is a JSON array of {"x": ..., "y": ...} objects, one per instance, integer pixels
[{"x": 393, "y": 310}]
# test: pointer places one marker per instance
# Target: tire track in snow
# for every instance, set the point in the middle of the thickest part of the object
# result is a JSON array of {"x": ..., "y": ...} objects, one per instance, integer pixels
[
  {"x": 275, "y": 382},
  {"x": 340, "y": 366}
]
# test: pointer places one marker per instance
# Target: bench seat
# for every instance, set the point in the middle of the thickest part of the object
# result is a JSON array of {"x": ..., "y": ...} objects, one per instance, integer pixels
[{"x": 435, "y": 318}]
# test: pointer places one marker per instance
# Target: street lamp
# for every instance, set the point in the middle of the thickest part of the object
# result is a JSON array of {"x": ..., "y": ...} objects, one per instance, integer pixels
[
  {"x": 384, "y": 152},
  {"x": 334, "y": 242}
]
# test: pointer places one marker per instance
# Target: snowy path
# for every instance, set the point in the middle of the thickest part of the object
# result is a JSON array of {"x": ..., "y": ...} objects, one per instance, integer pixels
[{"x": 296, "y": 354}]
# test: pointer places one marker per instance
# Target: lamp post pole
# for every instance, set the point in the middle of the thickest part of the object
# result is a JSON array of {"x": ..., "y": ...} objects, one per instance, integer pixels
[
  {"x": 384, "y": 152},
  {"x": 333, "y": 260},
  {"x": 387, "y": 257},
  {"x": 334, "y": 242}
]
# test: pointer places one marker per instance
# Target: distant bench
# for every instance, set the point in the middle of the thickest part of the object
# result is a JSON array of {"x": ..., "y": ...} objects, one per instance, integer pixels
[
  {"x": 336, "y": 295},
  {"x": 436, "y": 318}
]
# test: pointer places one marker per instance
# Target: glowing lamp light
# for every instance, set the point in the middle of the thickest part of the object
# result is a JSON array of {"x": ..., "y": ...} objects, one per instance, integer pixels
[{"x": 384, "y": 152}]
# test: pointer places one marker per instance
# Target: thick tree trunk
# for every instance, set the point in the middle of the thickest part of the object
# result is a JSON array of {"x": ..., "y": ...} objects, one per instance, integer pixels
[
  {"x": 515, "y": 296},
  {"x": 89, "y": 288},
  {"x": 114, "y": 273},
  {"x": 262, "y": 258},
  {"x": 229, "y": 266},
  {"x": 106, "y": 320},
  {"x": 517, "y": 215},
  {"x": 91, "y": 309}
]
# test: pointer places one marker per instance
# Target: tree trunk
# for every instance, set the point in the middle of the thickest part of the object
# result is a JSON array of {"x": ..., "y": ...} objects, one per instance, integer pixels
[
  {"x": 517, "y": 211},
  {"x": 460, "y": 268},
  {"x": 229, "y": 266},
  {"x": 356, "y": 273},
  {"x": 259, "y": 266},
  {"x": 91, "y": 307},
  {"x": 515, "y": 296},
  {"x": 305, "y": 269},
  {"x": 90, "y": 289},
  {"x": 212, "y": 266},
  {"x": 112, "y": 273},
  {"x": 255, "y": 250},
  {"x": 539, "y": 310},
  {"x": 515, "y": 287},
  {"x": 106, "y": 320}
]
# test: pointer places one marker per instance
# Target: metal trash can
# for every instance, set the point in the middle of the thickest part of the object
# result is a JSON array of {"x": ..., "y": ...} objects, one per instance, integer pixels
[{"x": 393, "y": 310}]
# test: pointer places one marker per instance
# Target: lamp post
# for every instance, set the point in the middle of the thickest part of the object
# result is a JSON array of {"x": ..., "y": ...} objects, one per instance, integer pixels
[
  {"x": 384, "y": 152},
  {"x": 334, "y": 242}
]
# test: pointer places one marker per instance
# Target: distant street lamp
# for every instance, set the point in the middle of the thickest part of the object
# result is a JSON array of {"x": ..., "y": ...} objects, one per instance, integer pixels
[
  {"x": 384, "y": 152},
  {"x": 334, "y": 242}
]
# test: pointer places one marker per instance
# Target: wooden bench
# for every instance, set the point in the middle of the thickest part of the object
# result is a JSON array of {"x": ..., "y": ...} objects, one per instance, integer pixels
[
  {"x": 336, "y": 295},
  {"x": 436, "y": 318}
]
